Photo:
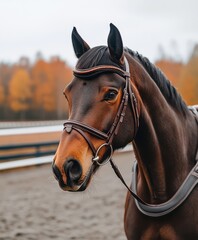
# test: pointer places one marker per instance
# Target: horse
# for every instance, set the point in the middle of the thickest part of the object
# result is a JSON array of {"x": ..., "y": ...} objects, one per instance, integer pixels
[{"x": 116, "y": 97}]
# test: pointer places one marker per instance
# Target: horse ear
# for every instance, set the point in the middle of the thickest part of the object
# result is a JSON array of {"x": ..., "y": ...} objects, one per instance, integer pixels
[
  {"x": 79, "y": 45},
  {"x": 115, "y": 44}
]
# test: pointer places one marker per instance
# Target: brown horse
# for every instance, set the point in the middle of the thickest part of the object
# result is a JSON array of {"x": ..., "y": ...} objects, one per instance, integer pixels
[{"x": 116, "y": 97}]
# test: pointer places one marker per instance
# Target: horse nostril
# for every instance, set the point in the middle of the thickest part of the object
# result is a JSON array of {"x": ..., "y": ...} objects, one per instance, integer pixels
[
  {"x": 56, "y": 172},
  {"x": 73, "y": 171}
]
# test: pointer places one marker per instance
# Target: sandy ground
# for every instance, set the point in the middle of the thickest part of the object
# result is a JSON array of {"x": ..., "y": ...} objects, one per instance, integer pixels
[{"x": 33, "y": 207}]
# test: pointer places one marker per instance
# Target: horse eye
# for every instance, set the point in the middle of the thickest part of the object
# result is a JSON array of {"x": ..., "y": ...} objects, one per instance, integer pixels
[{"x": 110, "y": 95}]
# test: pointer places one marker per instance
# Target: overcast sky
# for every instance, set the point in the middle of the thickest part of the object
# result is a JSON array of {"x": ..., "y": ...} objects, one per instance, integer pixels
[{"x": 29, "y": 26}]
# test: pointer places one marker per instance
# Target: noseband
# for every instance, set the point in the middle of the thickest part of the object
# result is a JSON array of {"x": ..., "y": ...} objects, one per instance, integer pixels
[{"x": 128, "y": 96}]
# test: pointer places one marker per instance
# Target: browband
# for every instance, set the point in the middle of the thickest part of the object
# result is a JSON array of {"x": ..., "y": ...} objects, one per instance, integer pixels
[{"x": 92, "y": 72}]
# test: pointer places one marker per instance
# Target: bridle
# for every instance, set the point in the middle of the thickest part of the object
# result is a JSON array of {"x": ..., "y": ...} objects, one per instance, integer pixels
[
  {"x": 128, "y": 96},
  {"x": 152, "y": 210}
]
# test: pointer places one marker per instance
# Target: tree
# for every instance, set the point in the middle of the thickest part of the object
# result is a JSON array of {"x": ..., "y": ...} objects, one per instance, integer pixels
[
  {"x": 20, "y": 93},
  {"x": 44, "y": 87},
  {"x": 172, "y": 70},
  {"x": 62, "y": 75},
  {"x": 2, "y": 93},
  {"x": 50, "y": 79},
  {"x": 2, "y": 100},
  {"x": 189, "y": 79}
]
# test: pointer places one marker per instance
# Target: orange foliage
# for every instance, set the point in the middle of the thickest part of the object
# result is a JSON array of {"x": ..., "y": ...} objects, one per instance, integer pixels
[
  {"x": 189, "y": 80},
  {"x": 44, "y": 97},
  {"x": 61, "y": 75},
  {"x": 171, "y": 69},
  {"x": 49, "y": 81},
  {"x": 2, "y": 93},
  {"x": 37, "y": 89},
  {"x": 183, "y": 76},
  {"x": 20, "y": 90}
]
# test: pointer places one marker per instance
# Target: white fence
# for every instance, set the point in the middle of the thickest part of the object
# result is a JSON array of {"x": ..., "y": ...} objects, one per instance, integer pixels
[
  {"x": 26, "y": 124},
  {"x": 31, "y": 130},
  {"x": 39, "y": 161},
  {"x": 34, "y": 130}
]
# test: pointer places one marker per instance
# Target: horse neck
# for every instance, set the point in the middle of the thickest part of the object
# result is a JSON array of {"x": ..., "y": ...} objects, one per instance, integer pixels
[{"x": 163, "y": 150}]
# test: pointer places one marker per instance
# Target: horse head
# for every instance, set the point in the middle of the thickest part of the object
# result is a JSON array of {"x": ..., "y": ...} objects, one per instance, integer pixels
[
  {"x": 117, "y": 96},
  {"x": 98, "y": 100}
]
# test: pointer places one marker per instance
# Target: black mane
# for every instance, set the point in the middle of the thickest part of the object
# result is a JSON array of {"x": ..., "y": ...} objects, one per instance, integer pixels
[{"x": 168, "y": 91}]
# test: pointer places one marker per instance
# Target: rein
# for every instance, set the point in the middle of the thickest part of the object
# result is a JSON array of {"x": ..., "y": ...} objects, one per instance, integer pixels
[{"x": 152, "y": 210}]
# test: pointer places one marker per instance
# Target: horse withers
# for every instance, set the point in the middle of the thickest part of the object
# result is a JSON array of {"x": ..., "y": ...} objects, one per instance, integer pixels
[{"x": 118, "y": 96}]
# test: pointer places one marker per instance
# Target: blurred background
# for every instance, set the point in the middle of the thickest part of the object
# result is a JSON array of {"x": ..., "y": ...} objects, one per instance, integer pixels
[
  {"x": 36, "y": 54},
  {"x": 36, "y": 62}
]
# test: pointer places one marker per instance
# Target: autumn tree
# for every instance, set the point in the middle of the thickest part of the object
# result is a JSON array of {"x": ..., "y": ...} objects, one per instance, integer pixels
[
  {"x": 20, "y": 91},
  {"x": 2, "y": 93},
  {"x": 6, "y": 72},
  {"x": 35, "y": 90},
  {"x": 62, "y": 75},
  {"x": 43, "y": 84},
  {"x": 49, "y": 80},
  {"x": 189, "y": 79},
  {"x": 2, "y": 100},
  {"x": 172, "y": 70}
]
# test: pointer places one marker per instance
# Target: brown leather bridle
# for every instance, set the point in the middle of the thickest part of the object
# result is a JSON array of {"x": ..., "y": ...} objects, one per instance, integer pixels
[
  {"x": 128, "y": 96},
  {"x": 152, "y": 210}
]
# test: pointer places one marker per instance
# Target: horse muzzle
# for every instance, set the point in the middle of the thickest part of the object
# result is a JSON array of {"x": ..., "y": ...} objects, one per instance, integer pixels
[{"x": 75, "y": 181}]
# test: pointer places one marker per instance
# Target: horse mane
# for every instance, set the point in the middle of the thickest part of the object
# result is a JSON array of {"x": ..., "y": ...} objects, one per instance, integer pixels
[
  {"x": 100, "y": 56},
  {"x": 166, "y": 88}
]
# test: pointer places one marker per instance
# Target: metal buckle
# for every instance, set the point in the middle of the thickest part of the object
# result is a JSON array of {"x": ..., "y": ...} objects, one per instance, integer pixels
[
  {"x": 96, "y": 158},
  {"x": 68, "y": 128}
]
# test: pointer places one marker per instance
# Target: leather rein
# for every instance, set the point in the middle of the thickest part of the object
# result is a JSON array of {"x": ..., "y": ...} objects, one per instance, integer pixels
[{"x": 152, "y": 210}]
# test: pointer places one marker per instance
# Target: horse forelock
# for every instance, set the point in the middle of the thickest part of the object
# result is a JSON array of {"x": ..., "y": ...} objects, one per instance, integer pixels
[{"x": 95, "y": 57}]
